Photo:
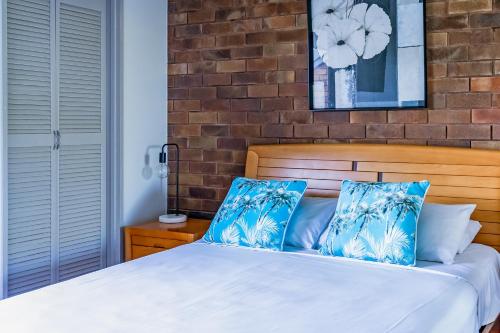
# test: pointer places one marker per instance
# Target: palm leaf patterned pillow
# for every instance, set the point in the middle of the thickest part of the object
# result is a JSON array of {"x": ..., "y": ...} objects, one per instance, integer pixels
[
  {"x": 376, "y": 222},
  {"x": 255, "y": 213}
]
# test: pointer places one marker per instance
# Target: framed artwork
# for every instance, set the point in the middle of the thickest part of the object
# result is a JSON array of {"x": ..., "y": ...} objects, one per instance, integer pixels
[{"x": 366, "y": 54}]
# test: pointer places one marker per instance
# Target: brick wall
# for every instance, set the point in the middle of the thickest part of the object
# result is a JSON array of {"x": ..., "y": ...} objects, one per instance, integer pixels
[{"x": 238, "y": 76}]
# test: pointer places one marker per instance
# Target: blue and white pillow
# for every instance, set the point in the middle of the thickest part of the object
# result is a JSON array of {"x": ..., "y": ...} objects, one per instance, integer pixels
[
  {"x": 376, "y": 222},
  {"x": 255, "y": 213}
]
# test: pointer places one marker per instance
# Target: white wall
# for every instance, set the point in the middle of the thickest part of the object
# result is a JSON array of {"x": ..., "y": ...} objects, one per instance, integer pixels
[{"x": 144, "y": 99}]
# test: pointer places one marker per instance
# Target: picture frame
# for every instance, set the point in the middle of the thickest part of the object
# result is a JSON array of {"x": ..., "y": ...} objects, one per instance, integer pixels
[{"x": 367, "y": 55}]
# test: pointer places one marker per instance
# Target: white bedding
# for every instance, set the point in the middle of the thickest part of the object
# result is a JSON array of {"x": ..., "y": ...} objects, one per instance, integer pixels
[{"x": 208, "y": 288}]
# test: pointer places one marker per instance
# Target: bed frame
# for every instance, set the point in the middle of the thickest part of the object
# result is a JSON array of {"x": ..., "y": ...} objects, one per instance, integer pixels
[{"x": 457, "y": 175}]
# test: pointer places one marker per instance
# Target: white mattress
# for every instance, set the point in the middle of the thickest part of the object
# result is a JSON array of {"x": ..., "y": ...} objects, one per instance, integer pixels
[{"x": 208, "y": 288}]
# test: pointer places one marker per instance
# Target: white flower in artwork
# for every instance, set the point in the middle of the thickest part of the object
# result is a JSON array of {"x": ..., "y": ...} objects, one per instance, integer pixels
[
  {"x": 377, "y": 25},
  {"x": 324, "y": 10},
  {"x": 341, "y": 43}
]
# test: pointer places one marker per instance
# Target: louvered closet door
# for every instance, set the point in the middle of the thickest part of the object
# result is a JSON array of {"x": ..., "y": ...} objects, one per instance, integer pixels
[
  {"x": 82, "y": 122},
  {"x": 31, "y": 206}
]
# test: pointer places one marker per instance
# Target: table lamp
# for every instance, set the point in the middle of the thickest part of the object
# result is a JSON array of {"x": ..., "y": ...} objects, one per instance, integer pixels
[{"x": 163, "y": 172}]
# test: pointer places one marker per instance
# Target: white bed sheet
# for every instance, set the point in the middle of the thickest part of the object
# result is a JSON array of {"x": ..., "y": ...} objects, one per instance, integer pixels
[
  {"x": 207, "y": 288},
  {"x": 478, "y": 264}
]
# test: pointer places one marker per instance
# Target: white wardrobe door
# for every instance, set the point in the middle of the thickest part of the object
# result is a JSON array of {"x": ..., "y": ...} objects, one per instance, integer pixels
[
  {"x": 82, "y": 163},
  {"x": 30, "y": 159},
  {"x": 29, "y": 66}
]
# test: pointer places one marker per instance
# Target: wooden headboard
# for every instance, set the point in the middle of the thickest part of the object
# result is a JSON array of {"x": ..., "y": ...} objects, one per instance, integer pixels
[{"x": 457, "y": 175}]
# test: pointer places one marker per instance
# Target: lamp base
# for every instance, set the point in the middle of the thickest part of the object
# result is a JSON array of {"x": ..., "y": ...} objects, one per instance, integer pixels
[{"x": 173, "y": 218}]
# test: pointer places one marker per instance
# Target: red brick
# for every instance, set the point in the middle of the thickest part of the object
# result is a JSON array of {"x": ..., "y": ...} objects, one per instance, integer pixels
[
  {"x": 296, "y": 117},
  {"x": 202, "y": 117},
  {"x": 202, "y": 67},
  {"x": 203, "y": 93},
  {"x": 293, "y": 89},
  {"x": 473, "y": 100},
  {"x": 176, "y": 69},
  {"x": 186, "y": 81},
  {"x": 448, "y": 85},
  {"x": 260, "y": 117},
  {"x": 232, "y": 92},
  {"x": 337, "y": 117},
  {"x": 467, "y": 6},
  {"x": 311, "y": 131},
  {"x": 484, "y": 20},
  {"x": 231, "y": 143},
  {"x": 279, "y": 22},
  {"x": 202, "y": 167},
  {"x": 188, "y": 30},
  {"x": 368, "y": 117},
  {"x": 216, "y": 105},
  {"x": 230, "y": 40},
  {"x": 280, "y": 77},
  {"x": 193, "y": 56},
  {"x": 494, "y": 145},
  {"x": 247, "y": 25},
  {"x": 292, "y": 62},
  {"x": 425, "y": 131},
  {"x": 228, "y": 14},
  {"x": 199, "y": 142},
  {"x": 217, "y": 28},
  {"x": 246, "y": 104},
  {"x": 486, "y": 116},
  {"x": 496, "y": 132},
  {"x": 262, "y": 64},
  {"x": 245, "y": 130},
  {"x": 476, "y": 68},
  {"x": 346, "y": 131},
  {"x": 231, "y": 117},
  {"x": 248, "y": 78},
  {"x": 272, "y": 50},
  {"x": 408, "y": 116},
  {"x": 277, "y": 131},
  {"x": 477, "y": 132},
  {"x": 231, "y": 66},
  {"x": 182, "y": 93},
  {"x": 175, "y": 19},
  {"x": 483, "y": 52},
  {"x": 385, "y": 131},
  {"x": 265, "y": 90},
  {"x": 247, "y": 52},
  {"x": 217, "y": 156},
  {"x": 187, "y": 105},
  {"x": 214, "y": 130},
  {"x": 217, "y": 79},
  {"x": 261, "y": 37},
  {"x": 220, "y": 54},
  {"x": 485, "y": 84},
  {"x": 187, "y": 130},
  {"x": 177, "y": 118},
  {"x": 201, "y": 16},
  {"x": 449, "y": 116},
  {"x": 445, "y": 23},
  {"x": 279, "y": 103},
  {"x": 296, "y": 35}
]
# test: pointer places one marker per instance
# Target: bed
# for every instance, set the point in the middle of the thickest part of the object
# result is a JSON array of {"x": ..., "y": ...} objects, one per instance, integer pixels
[{"x": 212, "y": 288}]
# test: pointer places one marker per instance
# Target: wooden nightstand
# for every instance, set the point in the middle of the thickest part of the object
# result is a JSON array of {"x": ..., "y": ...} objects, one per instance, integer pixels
[{"x": 145, "y": 239}]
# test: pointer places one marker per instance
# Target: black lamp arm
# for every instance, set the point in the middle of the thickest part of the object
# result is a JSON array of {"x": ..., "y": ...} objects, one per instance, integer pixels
[{"x": 163, "y": 160}]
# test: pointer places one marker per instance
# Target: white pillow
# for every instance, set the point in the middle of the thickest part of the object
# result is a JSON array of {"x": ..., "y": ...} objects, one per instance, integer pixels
[
  {"x": 310, "y": 219},
  {"x": 470, "y": 233},
  {"x": 440, "y": 231}
]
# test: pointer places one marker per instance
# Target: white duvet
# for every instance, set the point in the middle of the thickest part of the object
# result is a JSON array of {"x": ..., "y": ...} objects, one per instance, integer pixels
[{"x": 208, "y": 288}]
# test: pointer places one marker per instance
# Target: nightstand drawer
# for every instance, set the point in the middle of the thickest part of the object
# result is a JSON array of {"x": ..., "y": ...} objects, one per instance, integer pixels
[
  {"x": 156, "y": 242},
  {"x": 141, "y": 251}
]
